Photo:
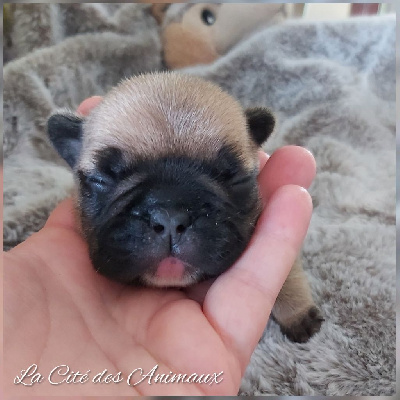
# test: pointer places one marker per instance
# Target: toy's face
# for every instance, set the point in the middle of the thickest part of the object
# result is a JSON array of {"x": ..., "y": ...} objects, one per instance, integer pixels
[
  {"x": 190, "y": 40},
  {"x": 200, "y": 33}
]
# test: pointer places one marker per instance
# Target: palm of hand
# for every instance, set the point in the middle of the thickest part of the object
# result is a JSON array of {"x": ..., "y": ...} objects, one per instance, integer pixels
[{"x": 80, "y": 316}]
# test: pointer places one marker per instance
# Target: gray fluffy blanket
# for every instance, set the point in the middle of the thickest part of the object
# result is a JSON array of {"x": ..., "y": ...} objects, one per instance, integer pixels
[{"x": 332, "y": 86}]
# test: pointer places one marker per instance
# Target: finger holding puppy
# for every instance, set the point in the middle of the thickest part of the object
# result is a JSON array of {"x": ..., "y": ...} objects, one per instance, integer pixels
[{"x": 88, "y": 104}]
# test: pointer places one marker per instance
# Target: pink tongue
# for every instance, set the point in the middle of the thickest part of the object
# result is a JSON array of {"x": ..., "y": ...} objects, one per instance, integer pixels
[{"x": 170, "y": 267}]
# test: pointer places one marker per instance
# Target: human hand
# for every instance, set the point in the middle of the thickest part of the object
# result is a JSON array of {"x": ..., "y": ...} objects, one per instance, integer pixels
[{"x": 59, "y": 311}]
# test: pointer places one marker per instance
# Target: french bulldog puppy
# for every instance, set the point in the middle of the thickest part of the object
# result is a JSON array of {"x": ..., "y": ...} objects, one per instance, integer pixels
[{"x": 166, "y": 186}]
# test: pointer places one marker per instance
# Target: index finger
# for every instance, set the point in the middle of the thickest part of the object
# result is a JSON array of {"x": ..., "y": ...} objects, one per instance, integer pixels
[
  {"x": 287, "y": 165},
  {"x": 87, "y": 105},
  {"x": 262, "y": 158}
]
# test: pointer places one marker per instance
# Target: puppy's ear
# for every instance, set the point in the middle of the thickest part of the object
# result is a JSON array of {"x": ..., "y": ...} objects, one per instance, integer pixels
[
  {"x": 260, "y": 122},
  {"x": 65, "y": 133}
]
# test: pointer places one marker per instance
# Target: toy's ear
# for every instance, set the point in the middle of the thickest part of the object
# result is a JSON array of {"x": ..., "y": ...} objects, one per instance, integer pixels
[
  {"x": 261, "y": 123},
  {"x": 65, "y": 133},
  {"x": 158, "y": 11}
]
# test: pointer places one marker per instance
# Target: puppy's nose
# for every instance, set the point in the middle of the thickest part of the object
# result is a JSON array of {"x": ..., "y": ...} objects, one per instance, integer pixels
[{"x": 169, "y": 222}]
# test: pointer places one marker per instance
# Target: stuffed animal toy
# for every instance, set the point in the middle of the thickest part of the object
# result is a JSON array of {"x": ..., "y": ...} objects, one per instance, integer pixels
[
  {"x": 199, "y": 33},
  {"x": 7, "y": 19}
]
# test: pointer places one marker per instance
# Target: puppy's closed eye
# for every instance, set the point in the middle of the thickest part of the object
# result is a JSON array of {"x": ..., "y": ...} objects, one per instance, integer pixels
[
  {"x": 242, "y": 180},
  {"x": 95, "y": 181}
]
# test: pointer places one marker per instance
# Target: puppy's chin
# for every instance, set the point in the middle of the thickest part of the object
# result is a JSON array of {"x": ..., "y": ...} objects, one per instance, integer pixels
[
  {"x": 153, "y": 281},
  {"x": 167, "y": 271}
]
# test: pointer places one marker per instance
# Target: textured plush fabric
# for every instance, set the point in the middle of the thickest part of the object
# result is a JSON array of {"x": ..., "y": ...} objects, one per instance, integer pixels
[
  {"x": 332, "y": 86},
  {"x": 35, "y": 179}
]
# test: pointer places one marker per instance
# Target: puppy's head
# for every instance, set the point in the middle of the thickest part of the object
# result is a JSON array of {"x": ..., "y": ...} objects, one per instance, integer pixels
[{"x": 166, "y": 170}]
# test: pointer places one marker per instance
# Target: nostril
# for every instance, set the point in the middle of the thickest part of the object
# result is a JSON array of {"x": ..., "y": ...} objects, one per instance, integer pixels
[
  {"x": 169, "y": 221},
  {"x": 158, "y": 228},
  {"x": 180, "y": 228}
]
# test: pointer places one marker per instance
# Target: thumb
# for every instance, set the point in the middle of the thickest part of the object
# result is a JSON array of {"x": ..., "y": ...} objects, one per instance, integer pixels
[{"x": 239, "y": 302}]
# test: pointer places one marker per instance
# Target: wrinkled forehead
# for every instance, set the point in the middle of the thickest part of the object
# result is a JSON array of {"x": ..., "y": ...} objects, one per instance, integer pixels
[{"x": 151, "y": 120}]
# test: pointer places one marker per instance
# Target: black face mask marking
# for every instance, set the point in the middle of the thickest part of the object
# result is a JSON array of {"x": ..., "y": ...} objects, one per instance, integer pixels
[{"x": 200, "y": 212}]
